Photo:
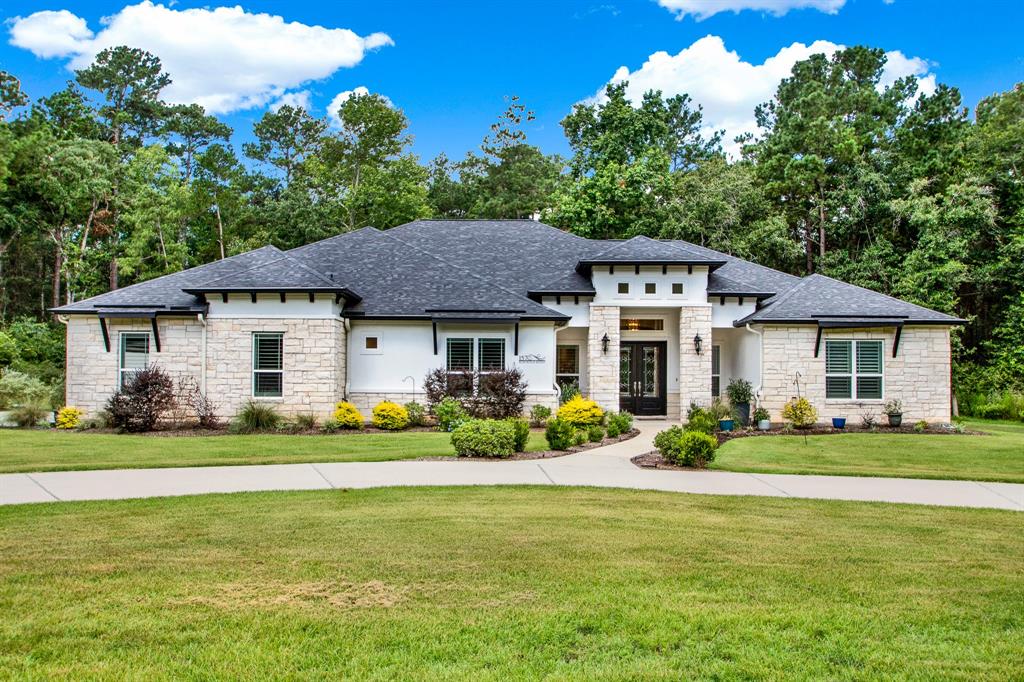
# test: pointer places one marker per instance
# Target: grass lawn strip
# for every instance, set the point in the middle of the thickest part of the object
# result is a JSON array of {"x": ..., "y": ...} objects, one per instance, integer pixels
[
  {"x": 998, "y": 455},
  {"x": 509, "y": 584},
  {"x": 51, "y": 450}
]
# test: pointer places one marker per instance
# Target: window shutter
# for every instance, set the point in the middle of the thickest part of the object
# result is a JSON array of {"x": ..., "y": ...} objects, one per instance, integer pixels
[
  {"x": 838, "y": 358},
  {"x": 838, "y": 387},
  {"x": 460, "y": 355},
  {"x": 869, "y": 357},
  {"x": 134, "y": 351},
  {"x": 492, "y": 355},
  {"x": 869, "y": 388},
  {"x": 269, "y": 351}
]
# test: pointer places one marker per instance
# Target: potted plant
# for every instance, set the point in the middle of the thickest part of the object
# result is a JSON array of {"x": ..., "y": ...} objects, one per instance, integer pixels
[
  {"x": 740, "y": 393},
  {"x": 725, "y": 424},
  {"x": 893, "y": 409},
  {"x": 763, "y": 419},
  {"x": 838, "y": 422}
]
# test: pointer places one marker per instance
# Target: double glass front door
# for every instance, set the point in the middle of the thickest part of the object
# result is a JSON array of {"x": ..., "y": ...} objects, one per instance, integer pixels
[{"x": 642, "y": 375}]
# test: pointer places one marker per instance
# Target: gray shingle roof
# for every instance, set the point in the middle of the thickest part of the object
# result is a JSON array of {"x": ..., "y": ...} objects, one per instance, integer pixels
[
  {"x": 487, "y": 269},
  {"x": 818, "y": 297}
]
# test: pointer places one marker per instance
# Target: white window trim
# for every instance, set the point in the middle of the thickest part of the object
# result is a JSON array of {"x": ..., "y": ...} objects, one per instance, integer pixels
[
  {"x": 379, "y": 350},
  {"x": 504, "y": 353},
  {"x": 854, "y": 373},
  {"x": 717, "y": 347},
  {"x": 578, "y": 362},
  {"x": 253, "y": 370},
  {"x": 120, "y": 352}
]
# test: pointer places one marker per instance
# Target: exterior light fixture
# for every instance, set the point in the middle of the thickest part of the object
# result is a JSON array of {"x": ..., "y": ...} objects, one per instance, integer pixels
[
  {"x": 604, "y": 343},
  {"x": 697, "y": 341}
]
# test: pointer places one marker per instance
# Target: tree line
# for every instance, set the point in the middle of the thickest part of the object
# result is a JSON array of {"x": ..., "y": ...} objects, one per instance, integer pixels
[{"x": 103, "y": 184}]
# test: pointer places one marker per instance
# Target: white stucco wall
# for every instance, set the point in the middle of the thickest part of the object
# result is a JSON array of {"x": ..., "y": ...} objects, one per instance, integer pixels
[
  {"x": 740, "y": 356},
  {"x": 695, "y": 285},
  {"x": 579, "y": 312},
  {"x": 270, "y": 306},
  {"x": 724, "y": 314},
  {"x": 406, "y": 349}
]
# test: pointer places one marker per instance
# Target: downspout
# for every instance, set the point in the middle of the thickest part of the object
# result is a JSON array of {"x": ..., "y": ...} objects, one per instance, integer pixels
[
  {"x": 760, "y": 360},
  {"x": 202, "y": 370}
]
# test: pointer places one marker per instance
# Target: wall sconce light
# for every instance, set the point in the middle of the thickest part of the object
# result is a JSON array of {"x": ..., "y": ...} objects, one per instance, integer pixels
[
  {"x": 604, "y": 343},
  {"x": 697, "y": 341}
]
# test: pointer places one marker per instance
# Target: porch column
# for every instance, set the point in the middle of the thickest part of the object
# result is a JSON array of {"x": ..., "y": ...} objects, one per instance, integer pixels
[
  {"x": 694, "y": 370},
  {"x": 603, "y": 366}
]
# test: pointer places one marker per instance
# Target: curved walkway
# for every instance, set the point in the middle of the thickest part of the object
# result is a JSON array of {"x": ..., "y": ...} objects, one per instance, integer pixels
[{"x": 608, "y": 467}]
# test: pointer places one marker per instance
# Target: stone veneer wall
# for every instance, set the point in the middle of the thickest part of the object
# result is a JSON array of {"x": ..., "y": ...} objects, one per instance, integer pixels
[
  {"x": 314, "y": 363},
  {"x": 919, "y": 375},
  {"x": 366, "y": 401},
  {"x": 92, "y": 371},
  {"x": 694, "y": 370},
  {"x": 603, "y": 367}
]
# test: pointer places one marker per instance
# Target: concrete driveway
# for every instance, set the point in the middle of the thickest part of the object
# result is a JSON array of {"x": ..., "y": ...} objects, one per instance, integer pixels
[{"x": 607, "y": 467}]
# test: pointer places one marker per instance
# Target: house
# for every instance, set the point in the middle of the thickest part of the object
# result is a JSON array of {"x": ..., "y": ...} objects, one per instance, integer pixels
[{"x": 641, "y": 325}]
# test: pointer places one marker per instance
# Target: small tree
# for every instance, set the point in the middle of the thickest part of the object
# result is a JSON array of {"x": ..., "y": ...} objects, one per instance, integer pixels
[{"x": 142, "y": 401}]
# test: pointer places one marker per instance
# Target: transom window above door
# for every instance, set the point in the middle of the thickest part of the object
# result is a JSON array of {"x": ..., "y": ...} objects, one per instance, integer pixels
[{"x": 633, "y": 324}]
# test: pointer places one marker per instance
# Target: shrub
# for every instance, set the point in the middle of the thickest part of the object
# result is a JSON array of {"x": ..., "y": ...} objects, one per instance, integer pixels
[
  {"x": 580, "y": 437},
  {"x": 568, "y": 391},
  {"x": 581, "y": 412},
  {"x": 559, "y": 434},
  {"x": 539, "y": 415},
  {"x": 18, "y": 388},
  {"x": 686, "y": 448},
  {"x": 142, "y": 401},
  {"x": 450, "y": 413},
  {"x": 346, "y": 416},
  {"x": 191, "y": 400},
  {"x": 761, "y": 414},
  {"x": 868, "y": 420},
  {"x": 483, "y": 394},
  {"x": 28, "y": 415},
  {"x": 417, "y": 413},
  {"x": 484, "y": 438},
  {"x": 69, "y": 417},
  {"x": 306, "y": 421},
  {"x": 719, "y": 410},
  {"x": 921, "y": 426},
  {"x": 390, "y": 416},
  {"x": 619, "y": 423},
  {"x": 893, "y": 407},
  {"x": 521, "y": 430},
  {"x": 255, "y": 417},
  {"x": 800, "y": 413},
  {"x": 595, "y": 434},
  {"x": 739, "y": 391},
  {"x": 699, "y": 419}
]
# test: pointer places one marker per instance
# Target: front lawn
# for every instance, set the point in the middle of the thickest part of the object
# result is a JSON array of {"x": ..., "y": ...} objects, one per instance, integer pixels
[
  {"x": 996, "y": 456},
  {"x": 42, "y": 450},
  {"x": 508, "y": 584}
]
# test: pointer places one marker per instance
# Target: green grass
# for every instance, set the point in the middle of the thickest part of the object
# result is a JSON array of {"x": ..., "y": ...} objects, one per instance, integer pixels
[
  {"x": 996, "y": 456},
  {"x": 508, "y": 584},
  {"x": 51, "y": 450}
]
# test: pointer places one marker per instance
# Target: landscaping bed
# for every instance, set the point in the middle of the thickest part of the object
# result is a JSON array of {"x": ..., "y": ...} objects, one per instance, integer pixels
[
  {"x": 825, "y": 430},
  {"x": 540, "y": 454}
]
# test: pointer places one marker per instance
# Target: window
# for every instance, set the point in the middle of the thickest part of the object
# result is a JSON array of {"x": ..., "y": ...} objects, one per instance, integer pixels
[
  {"x": 623, "y": 287},
  {"x": 853, "y": 369},
  {"x": 650, "y": 288},
  {"x": 459, "y": 361},
  {"x": 716, "y": 371},
  {"x": 371, "y": 343},
  {"x": 632, "y": 324},
  {"x": 567, "y": 365},
  {"x": 267, "y": 364},
  {"x": 677, "y": 288},
  {"x": 134, "y": 354},
  {"x": 491, "y": 354}
]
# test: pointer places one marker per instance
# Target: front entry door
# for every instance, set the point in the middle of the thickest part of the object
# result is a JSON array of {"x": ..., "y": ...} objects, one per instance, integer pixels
[{"x": 642, "y": 373}]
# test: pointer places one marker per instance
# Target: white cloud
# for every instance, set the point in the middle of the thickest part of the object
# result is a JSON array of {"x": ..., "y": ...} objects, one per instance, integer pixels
[
  {"x": 300, "y": 99},
  {"x": 224, "y": 58},
  {"x": 341, "y": 97},
  {"x": 702, "y": 9},
  {"x": 729, "y": 88}
]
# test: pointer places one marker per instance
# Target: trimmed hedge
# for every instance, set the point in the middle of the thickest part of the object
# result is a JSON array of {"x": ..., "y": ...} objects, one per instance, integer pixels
[
  {"x": 560, "y": 434},
  {"x": 485, "y": 438},
  {"x": 685, "y": 447},
  {"x": 581, "y": 412},
  {"x": 390, "y": 416},
  {"x": 347, "y": 416}
]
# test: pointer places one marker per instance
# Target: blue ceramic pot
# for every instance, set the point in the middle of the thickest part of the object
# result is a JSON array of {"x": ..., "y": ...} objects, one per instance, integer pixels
[
  {"x": 725, "y": 424},
  {"x": 839, "y": 422}
]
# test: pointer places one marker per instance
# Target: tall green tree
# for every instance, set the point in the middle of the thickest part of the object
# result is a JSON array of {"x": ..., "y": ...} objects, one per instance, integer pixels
[{"x": 285, "y": 139}]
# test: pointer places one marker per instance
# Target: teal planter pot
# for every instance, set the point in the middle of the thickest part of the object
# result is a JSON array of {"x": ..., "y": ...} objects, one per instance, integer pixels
[
  {"x": 725, "y": 424},
  {"x": 839, "y": 422}
]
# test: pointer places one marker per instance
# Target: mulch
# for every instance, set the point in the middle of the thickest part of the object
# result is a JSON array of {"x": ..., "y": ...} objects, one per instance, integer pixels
[{"x": 542, "y": 454}]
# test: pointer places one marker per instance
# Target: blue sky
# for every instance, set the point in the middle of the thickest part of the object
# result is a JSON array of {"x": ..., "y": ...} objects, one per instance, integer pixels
[{"x": 449, "y": 65}]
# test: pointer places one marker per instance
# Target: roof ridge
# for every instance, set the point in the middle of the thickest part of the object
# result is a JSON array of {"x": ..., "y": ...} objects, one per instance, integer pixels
[
  {"x": 468, "y": 272},
  {"x": 365, "y": 228}
]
